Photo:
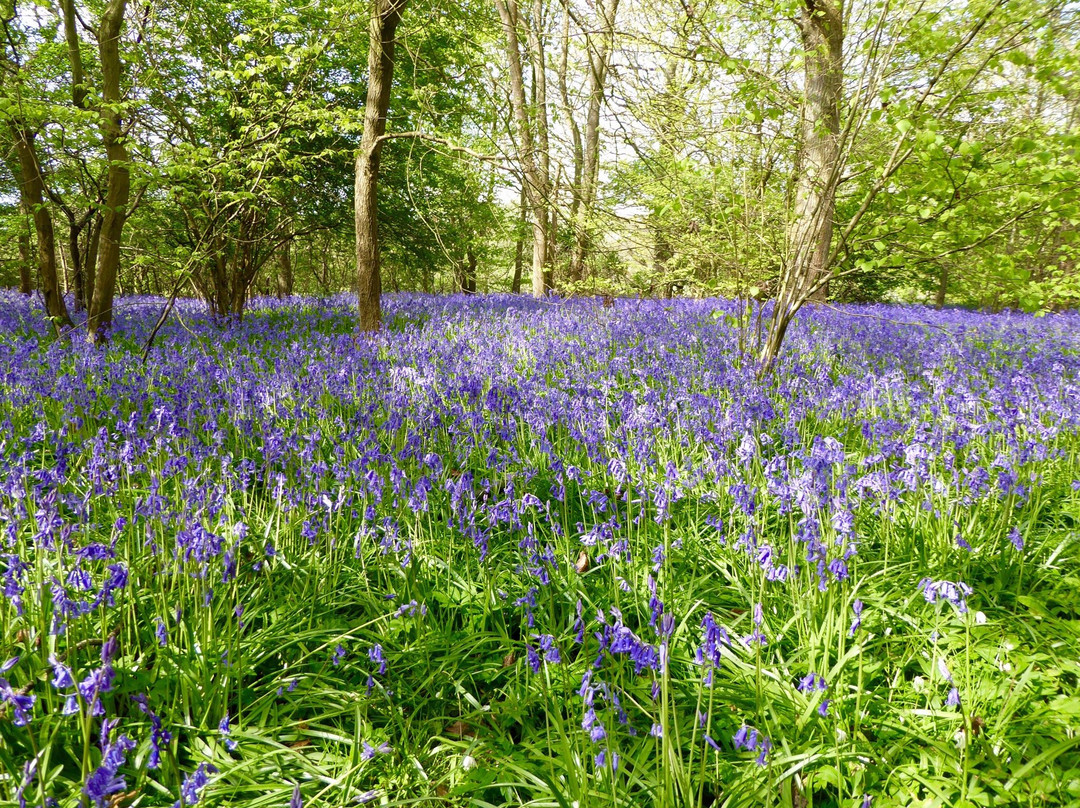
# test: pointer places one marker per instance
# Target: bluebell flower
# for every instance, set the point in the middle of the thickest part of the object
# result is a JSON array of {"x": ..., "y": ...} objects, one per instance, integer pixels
[
  {"x": 223, "y": 728},
  {"x": 375, "y": 654},
  {"x": 105, "y": 780},
  {"x": 62, "y": 677},
  {"x": 1016, "y": 539},
  {"x": 952, "y": 592},
  {"x": 194, "y": 783},
  {"x": 857, "y": 609}
]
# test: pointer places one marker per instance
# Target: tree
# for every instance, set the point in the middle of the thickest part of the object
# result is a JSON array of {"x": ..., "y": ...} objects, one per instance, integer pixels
[
  {"x": 968, "y": 48},
  {"x": 599, "y": 47},
  {"x": 531, "y": 136},
  {"x": 385, "y": 17},
  {"x": 118, "y": 177}
]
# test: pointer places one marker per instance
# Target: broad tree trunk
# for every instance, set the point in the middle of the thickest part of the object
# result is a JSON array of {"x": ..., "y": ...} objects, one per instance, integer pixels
[
  {"x": 385, "y": 17},
  {"x": 33, "y": 194},
  {"x": 535, "y": 182},
  {"x": 599, "y": 56},
  {"x": 119, "y": 173}
]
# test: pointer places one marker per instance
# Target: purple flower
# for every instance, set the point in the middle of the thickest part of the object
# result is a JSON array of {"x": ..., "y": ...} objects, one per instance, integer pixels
[
  {"x": 857, "y": 609},
  {"x": 62, "y": 677},
  {"x": 375, "y": 654},
  {"x": 952, "y": 592},
  {"x": 1016, "y": 539},
  {"x": 22, "y": 704},
  {"x": 105, "y": 780},
  {"x": 339, "y": 654},
  {"x": 223, "y": 728},
  {"x": 194, "y": 783}
]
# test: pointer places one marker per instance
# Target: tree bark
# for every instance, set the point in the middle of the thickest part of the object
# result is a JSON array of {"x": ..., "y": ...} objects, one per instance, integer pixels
[
  {"x": 71, "y": 35},
  {"x": 383, "y": 28},
  {"x": 821, "y": 28},
  {"x": 26, "y": 261},
  {"x": 24, "y": 264},
  {"x": 943, "y": 286},
  {"x": 519, "y": 244},
  {"x": 810, "y": 241},
  {"x": 285, "y": 270},
  {"x": 33, "y": 194},
  {"x": 586, "y": 194},
  {"x": 535, "y": 183},
  {"x": 119, "y": 172}
]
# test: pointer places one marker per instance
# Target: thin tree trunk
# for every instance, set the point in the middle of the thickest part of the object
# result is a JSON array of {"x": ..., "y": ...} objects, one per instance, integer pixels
[
  {"x": 943, "y": 285},
  {"x": 383, "y": 27},
  {"x": 71, "y": 35},
  {"x": 534, "y": 183},
  {"x": 119, "y": 172},
  {"x": 470, "y": 271},
  {"x": 586, "y": 193},
  {"x": 519, "y": 243},
  {"x": 568, "y": 114},
  {"x": 24, "y": 264},
  {"x": 93, "y": 242},
  {"x": 26, "y": 261},
  {"x": 285, "y": 270},
  {"x": 33, "y": 192},
  {"x": 82, "y": 289}
]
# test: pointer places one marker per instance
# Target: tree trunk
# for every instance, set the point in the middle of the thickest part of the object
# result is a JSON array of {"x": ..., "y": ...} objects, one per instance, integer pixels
[
  {"x": 119, "y": 173},
  {"x": 519, "y": 244},
  {"x": 71, "y": 35},
  {"x": 821, "y": 27},
  {"x": 383, "y": 27},
  {"x": 535, "y": 183},
  {"x": 33, "y": 194},
  {"x": 93, "y": 242},
  {"x": 470, "y": 272},
  {"x": 805, "y": 275},
  {"x": 586, "y": 193},
  {"x": 24, "y": 264},
  {"x": 943, "y": 285},
  {"x": 26, "y": 261},
  {"x": 83, "y": 287},
  {"x": 285, "y": 270}
]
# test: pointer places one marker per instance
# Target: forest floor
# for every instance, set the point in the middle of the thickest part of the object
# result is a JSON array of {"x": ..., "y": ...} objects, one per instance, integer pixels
[{"x": 553, "y": 554}]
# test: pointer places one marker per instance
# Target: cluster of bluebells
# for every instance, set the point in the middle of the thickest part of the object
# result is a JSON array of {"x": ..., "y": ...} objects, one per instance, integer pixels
[
  {"x": 954, "y": 593},
  {"x": 812, "y": 683},
  {"x": 490, "y": 421}
]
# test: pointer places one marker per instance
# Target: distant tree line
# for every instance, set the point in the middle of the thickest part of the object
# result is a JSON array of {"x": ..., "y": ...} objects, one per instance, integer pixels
[{"x": 801, "y": 151}]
